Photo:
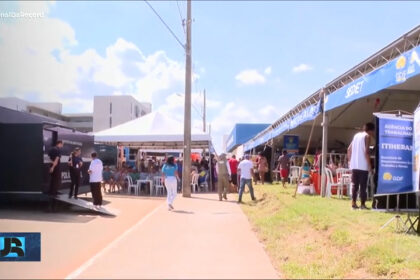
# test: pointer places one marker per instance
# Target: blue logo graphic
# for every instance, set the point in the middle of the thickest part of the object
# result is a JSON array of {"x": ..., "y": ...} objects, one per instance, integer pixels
[{"x": 20, "y": 246}]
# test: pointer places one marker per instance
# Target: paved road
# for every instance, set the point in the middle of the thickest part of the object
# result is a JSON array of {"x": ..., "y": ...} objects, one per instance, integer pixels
[
  {"x": 203, "y": 238},
  {"x": 69, "y": 237}
]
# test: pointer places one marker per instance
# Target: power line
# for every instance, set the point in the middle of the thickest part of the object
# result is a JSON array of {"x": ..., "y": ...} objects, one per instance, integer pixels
[
  {"x": 182, "y": 18},
  {"x": 167, "y": 26}
]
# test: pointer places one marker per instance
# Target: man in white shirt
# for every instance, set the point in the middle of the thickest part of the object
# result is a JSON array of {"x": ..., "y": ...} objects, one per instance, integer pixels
[
  {"x": 95, "y": 179},
  {"x": 245, "y": 170},
  {"x": 359, "y": 159},
  {"x": 223, "y": 173}
]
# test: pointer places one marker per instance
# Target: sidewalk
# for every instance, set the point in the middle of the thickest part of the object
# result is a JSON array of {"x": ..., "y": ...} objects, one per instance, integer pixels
[{"x": 202, "y": 238}]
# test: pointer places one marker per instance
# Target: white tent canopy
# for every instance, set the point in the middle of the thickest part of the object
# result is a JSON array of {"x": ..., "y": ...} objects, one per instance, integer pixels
[{"x": 152, "y": 131}]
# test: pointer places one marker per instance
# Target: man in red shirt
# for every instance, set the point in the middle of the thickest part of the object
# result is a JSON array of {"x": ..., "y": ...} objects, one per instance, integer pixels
[
  {"x": 284, "y": 165},
  {"x": 233, "y": 164}
]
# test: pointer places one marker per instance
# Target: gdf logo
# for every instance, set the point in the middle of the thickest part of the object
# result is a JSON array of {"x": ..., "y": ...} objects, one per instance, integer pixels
[
  {"x": 387, "y": 176},
  {"x": 12, "y": 247}
]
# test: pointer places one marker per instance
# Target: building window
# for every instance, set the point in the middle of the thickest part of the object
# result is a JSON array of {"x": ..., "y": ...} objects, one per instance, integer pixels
[
  {"x": 137, "y": 111},
  {"x": 110, "y": 121},
  {"x": 110, "y": 108}
]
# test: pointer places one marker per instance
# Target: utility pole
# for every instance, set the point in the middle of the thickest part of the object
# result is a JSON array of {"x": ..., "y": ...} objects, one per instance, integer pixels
[
  {"x": 204, "y": 112},
  {"x": 186, "y": 170}
]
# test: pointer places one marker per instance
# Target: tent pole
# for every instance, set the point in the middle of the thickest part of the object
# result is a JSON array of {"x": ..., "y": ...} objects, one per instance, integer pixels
[
  {"x": 273, "y": 160},
  {"x": 324, "y": 148},
  {"x": 210, "y": 169},
  {"x": 305, "y": 155}
]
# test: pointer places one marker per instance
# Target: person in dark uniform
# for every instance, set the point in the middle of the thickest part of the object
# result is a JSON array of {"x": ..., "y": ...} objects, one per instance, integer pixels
[
  {"x": 55, "y": 174},
  {"x": 213, "y": 163},
  {"x": 75, "y": 165}
]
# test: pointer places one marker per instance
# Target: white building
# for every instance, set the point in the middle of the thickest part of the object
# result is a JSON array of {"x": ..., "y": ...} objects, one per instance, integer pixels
[
  {"x": 109, "y": 111},
  {"x": 18, "y": 104}
]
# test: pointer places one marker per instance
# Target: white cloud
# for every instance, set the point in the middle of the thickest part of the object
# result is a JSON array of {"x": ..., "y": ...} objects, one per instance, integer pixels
[
  {"x": 268, "y": 111},
  {"x": 40, "y": 65},
  {"x": 267, "y": 70},
  {"x": 174, "y": 107},
  {"x": 35, "y": 6},
  {"x": 250, "y": 77},
  {"x": 302, "y": 68},
  {"x": 233, "y": 113},
  {"x": 330, "y": 70}
]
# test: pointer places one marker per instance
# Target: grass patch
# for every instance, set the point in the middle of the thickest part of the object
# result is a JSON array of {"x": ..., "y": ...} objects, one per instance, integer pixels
[{"x": 314, "y": 237}]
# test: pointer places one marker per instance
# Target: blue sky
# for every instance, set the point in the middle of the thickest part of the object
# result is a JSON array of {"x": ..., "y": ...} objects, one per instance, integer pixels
[{"x": 256, "y": 59}]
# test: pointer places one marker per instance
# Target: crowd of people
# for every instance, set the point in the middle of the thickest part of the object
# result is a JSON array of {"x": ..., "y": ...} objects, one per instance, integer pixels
[{"x": 219, "y": 172}]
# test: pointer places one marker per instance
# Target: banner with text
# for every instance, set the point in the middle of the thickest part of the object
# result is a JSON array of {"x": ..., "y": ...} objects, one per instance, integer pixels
[
  {"x": 395, "y": 72},
  {"x": 395, "y": 144},
  {"x": 291, "y": 144},
  {"x": 416, "y": 151}
]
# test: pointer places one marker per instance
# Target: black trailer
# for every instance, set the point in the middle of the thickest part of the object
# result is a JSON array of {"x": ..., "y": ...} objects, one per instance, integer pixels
[{"x": 25, "y": 140}]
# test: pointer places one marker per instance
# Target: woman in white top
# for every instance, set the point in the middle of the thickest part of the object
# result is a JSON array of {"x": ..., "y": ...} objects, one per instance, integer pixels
[{"x": 95, "y": 180}]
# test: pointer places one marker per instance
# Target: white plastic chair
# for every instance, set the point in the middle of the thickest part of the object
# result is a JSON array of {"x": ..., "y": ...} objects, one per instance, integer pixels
[
  {"x": 131, "y": 185},
  {"x": 331, "y": 184},
  {"x": 344, "y": 179},
  {"x": 194, "y": 182},
  {"x": 158, "y": 185},
  {"x": 294, "y": 174}
]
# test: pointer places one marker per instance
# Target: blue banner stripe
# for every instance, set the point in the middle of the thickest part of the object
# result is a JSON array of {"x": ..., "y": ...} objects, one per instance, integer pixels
[
  {"x": 393, "y": 73},
  {"x": 307, "y": 114}
]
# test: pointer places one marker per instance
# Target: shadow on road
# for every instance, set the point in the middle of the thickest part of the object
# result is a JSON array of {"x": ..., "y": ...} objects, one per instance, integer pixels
[
  {"x": 130, "y": 196},
  {"x": 183, "y": 212},
  {"x": 216, "y": 199},
  {"x": 37, "y": 211}
]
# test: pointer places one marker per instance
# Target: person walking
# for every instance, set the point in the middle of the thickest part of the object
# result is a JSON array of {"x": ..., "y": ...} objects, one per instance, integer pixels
[
  {"x": 262, "y": 167},
  {"x": 75, "y": 166},
  {"x": 223, "y": 171},
  {"x": 233, "y": 164},
  {"x": 170, "y": 177},
  {"x": 284, "y": 166},
  {"x": 95, "y": 180},
  {"x": 360, "y": 164},
  {"x": 245, "y": 168}
]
